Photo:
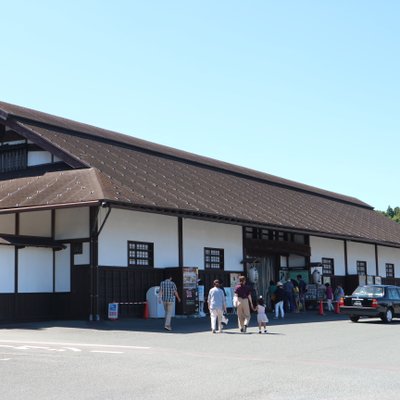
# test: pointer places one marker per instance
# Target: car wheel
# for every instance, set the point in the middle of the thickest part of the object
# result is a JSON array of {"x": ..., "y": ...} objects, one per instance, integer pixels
[
  {"x": 354, "y": 318},
  {"x": 387, "y": 316}
]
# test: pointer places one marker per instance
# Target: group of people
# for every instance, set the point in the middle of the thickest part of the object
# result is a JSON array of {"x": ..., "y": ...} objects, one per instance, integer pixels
[
  {"x": 243, "y": 303},
  {"x": 217, "y": 305},
  {"x": 288, "y": 296},
  {"x": 332, "y": 296}
]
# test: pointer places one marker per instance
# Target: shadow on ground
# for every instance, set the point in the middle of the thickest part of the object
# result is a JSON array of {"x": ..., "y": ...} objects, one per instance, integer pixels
[{"x": 181, "y": 325}]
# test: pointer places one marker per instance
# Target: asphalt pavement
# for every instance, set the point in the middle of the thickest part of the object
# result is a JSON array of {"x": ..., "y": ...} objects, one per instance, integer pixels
[{"x": 304, "y": 356}]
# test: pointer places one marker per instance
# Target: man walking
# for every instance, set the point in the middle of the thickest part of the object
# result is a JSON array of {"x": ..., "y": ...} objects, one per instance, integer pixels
[
  {"x": 167, "y": 294},
  {"x": 217, "y": 306}
]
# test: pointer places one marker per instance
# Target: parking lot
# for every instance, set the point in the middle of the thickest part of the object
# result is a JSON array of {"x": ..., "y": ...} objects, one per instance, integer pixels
[{"x": 304, "y": 356}]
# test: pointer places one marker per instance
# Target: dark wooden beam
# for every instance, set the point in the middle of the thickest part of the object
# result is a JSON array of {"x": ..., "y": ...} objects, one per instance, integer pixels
[
  {"x": 261, "y": 247},
  {"x": 180, "y": 241}
]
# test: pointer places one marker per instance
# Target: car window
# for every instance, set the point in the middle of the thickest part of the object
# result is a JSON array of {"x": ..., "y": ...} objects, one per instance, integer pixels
[
  {"x": 394, "y": 294},
  {"x": 369, "y": 291}
]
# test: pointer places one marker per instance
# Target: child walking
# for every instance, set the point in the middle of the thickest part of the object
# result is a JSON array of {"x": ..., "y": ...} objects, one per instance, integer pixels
[{"x": 262, "y": 318}]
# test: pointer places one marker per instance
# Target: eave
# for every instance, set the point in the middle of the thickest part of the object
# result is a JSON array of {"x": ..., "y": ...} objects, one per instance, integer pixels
[{"x": 21, "y": 241}]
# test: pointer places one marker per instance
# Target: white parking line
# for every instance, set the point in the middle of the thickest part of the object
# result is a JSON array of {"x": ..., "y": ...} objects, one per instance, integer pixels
[
  {"x": 107, "y": 352},
  {"x": 5, "y": 359},
  {"x": 74, "y": 345}
]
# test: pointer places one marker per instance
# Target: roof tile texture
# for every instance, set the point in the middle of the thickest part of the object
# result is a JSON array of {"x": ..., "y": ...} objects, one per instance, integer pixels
[{"x": 134, "y": 172}]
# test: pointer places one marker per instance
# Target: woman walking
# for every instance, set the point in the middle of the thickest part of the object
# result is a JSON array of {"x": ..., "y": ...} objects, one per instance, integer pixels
[{"x": 243, "y": 303}]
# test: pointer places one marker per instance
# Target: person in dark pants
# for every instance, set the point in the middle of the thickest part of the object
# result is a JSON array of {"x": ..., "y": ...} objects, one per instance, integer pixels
[
  {"x": 302, "y": 293},
  {"x": 279, "y": 300},
  {"x": 271, "y": 295},
  {"x": 289, "y": 292}
]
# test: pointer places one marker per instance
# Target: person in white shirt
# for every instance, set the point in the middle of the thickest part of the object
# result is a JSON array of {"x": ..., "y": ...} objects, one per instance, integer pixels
[{"x": 217, "y": 306}]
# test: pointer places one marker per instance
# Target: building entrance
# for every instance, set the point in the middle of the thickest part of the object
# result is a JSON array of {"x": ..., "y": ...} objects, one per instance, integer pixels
[{"x": 260, "y": 272}]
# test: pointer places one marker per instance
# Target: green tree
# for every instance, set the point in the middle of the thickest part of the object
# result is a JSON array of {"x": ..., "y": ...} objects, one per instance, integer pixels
[{"x": 392, "y": 213}]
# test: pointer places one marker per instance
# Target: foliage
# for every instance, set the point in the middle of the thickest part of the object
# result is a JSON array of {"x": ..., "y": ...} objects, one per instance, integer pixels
[{"x": 392, "y": 213}]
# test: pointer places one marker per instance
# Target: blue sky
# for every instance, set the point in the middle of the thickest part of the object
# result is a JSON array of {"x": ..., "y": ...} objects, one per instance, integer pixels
[{"x": 306, "y": 90}]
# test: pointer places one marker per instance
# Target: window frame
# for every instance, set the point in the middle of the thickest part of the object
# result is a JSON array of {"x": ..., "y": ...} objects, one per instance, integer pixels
[
  {"x": 389, "y": 268},
  {"x": 328, "y": 266},
  {"x": 209, "y": 262},
  {"x": 362, "y": 265},
  {"x": 13, "y": 157},
  {"x": 136, "y": 258},
  {"x": 393, "y": 293}
]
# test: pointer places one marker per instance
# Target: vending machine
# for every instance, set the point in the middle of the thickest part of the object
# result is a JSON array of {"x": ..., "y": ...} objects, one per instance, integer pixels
[{"x": 185, "y": 279}]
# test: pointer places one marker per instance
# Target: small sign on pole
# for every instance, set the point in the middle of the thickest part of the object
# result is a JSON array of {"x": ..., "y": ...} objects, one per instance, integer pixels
[{"x": 112, "y": 310}]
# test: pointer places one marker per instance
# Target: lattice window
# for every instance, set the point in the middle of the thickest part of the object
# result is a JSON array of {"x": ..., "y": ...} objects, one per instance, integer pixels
[
  {"x": 328, "y": 267},
  {"x": 13, "y": 159},
  {"x": 361, "y": 267},
  {"x": 256, "y": 233},
  {"x": 389, "y": 270},
  {"x": 140, "y": 254},
  {"x": 213, "y": 258}
]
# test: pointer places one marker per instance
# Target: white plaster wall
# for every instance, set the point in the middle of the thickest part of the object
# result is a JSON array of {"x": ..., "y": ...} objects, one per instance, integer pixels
[
  {"x": 35, "y": 270},
  {"x": 199, "y": 234},
  {"x": 7, "y": 224},
  {"x": 7, "y": 275},
  {"x": 35, "y": 223},
  {"x": 361, "y": 252},
  {"x": 72, "y": 223},
  {"x": 84, "y": 258},
  {"x": 124, "y": 225},
  {"x": 38, "y": 158},
  {"x": 388, "y": 255},
  {"x": 63, "y": 270},
  {"x": 329, "y": 248}
]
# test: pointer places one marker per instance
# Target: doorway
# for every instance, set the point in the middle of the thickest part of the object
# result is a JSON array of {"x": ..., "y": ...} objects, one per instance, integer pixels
[{"x": 265, "y": 268}]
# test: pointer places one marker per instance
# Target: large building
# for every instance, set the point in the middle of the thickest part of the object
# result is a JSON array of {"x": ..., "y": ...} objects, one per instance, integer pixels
[{"x": 89, "y": 216}]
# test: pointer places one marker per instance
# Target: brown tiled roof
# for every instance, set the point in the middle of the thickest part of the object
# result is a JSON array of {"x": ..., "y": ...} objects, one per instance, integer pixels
[
  {"x": 140, "y": 174},
  {"x": 50, "y": 188},
  {"x": 20, "y": 114}
]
